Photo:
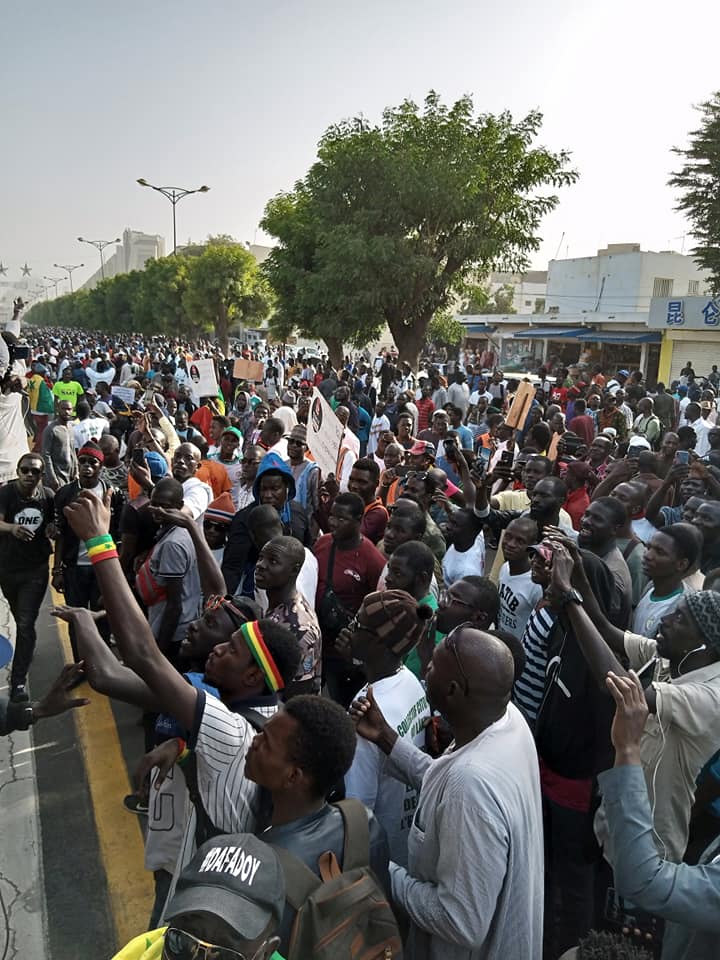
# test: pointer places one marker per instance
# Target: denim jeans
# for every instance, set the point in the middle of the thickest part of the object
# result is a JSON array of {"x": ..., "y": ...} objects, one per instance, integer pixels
[
  {"x": 24, "y": 591},
  {"x": 81, "y": 590}
]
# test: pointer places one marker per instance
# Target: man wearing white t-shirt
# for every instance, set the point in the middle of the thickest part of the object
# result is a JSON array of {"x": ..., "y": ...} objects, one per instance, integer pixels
[
  {"x": 385, "y": 629},
  {"x": 519, "y": 594},
  {"x": 197, "y": 495}
]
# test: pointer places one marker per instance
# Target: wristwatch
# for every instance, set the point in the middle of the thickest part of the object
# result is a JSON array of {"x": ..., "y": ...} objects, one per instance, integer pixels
[{"x": 571, "y": 596}]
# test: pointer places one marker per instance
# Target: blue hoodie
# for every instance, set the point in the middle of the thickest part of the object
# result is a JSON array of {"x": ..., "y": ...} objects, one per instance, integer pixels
[{"x": 273, "y": 463}]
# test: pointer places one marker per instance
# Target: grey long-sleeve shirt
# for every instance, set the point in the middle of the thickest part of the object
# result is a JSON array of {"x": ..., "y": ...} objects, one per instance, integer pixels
[
  {"x": 473, "y": 888},
  {"x": 688, "y": 897}
]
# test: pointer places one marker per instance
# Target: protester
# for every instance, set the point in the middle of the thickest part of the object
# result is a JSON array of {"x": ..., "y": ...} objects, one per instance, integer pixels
[
  {"x": 26, "y": 526},
  {"x": 473, "y": 884}
]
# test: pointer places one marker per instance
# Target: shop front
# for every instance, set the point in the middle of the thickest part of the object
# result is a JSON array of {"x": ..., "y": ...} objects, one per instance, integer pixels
[{"x": 691, "y": 334}]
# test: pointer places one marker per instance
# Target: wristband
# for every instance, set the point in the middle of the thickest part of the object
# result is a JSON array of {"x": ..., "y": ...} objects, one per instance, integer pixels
[
  {"x": 103, "y": 551},
  {"x": 183, "y": 753},
  {"x": 96, "y": 541}
]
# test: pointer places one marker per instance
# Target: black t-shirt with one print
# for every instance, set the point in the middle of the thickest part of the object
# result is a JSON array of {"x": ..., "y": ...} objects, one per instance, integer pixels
[{"x": 34, "y": 513}]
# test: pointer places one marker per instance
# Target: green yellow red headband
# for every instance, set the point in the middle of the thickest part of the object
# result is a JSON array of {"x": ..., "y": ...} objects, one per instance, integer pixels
[{"x": 264, "y": 659}]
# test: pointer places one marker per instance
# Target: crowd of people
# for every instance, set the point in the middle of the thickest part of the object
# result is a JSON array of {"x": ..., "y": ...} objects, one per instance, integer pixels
[{"x": 475, "y": 669}]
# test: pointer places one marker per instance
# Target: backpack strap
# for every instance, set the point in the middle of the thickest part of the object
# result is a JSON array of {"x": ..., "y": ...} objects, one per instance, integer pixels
[
  {"x": 629, "y": 548},
  {"x": 300, "y": 881},
  {"x": 356, "y": 850}
]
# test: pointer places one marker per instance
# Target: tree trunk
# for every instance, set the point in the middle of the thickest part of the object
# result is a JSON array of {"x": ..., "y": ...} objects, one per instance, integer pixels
[
  {"x": 335, "y": 351},
  {"x": 221, "y": 328},
  {"x": 409, "y": 339}
]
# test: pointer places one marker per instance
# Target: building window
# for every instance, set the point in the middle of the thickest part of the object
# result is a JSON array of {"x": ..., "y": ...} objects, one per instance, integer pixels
[
  {"x": 540, "y": 305},
  {"x": 693, "y": 288},
  {"x": 554, "y": 310},
  {"x": 662, "y": 287},
  {"x": 528, "y": 303}
]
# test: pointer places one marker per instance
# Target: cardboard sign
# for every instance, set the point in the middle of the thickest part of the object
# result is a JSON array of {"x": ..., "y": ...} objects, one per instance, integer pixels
[
  {"x": 552, "y": 450},
  {"x": 520, "y": 407},
  {"x": 248, "y": 370},
  {"x": 203, "y": 381},
  {"x": 126, "y": 394},
  {"x": 324, "y": 433}
]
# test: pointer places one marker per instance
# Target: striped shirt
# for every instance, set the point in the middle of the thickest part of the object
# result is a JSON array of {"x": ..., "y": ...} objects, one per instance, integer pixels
[
  {"x": 530, "y": 686},
  {"x": 222, "y": 740}
]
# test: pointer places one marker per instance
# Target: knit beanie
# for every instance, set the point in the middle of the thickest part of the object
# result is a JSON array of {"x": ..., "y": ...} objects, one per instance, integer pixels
[
  {"x": 705, "y": 609},
  {"x": 221, "y": 510},
  {"x": 396, "y": 618}
]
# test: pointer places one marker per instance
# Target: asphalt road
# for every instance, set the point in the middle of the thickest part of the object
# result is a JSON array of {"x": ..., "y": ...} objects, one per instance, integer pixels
[{"x": 72, "y": 882}]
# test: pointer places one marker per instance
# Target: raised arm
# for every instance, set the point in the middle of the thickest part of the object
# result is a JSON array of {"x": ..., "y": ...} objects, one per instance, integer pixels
[
  {"x": 676, "y": 473},
  {"x": 211, "y": 578},
  {"x": 103, "y": 670},
  {"x": 90, "y": 518}
]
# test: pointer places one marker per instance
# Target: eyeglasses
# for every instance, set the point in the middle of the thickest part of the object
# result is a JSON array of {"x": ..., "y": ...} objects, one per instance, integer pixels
[
  {"x": 446, "y": 598},
  {"x": 451, "y": 644},
  {"x": 180, "y": 945},
  {"x": 35, "y": 471},
  {"x": 421, "y": 475}
]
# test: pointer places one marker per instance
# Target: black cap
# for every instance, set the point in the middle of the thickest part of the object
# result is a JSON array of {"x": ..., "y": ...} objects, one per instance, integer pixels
[{"x": 237, "y": 878}]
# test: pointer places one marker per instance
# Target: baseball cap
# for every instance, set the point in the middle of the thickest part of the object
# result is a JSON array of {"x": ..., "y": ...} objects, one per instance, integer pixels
[
  {"x": 623, "y": 373},
  {"x": 237, "y": 878},
  {"x": 396, "y": 618},
  {"x": 221, "y": 510},
  {"x": 157, "y": 464},
  {"x": 609, "y": 432},
  {"x": 234, "y": 431},
  {"x": 639, "y": 443},
  {"x": 543, "y": 550},
  {"x": 422, "y": 446}
]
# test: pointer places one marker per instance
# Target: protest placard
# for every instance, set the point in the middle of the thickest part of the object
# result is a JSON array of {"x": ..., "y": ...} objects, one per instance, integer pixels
[
  {"x": 203, "y": 382},
  {"x": 126, "y": 394},
  {"x": 520, "y": 407},
  {"x": 324, "y": 433},
  {"x": 248, "y": 370}
]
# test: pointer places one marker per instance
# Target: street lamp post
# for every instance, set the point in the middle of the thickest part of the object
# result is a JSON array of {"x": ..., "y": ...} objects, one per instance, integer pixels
[
  {"x": 174, "y": 195},
  {"x": 100, "y": 246},
  {"x": 68, "y": 268},
  {"x": 54, "y": 280}
]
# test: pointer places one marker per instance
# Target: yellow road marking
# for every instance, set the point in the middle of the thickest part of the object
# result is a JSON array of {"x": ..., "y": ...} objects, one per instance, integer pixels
[{"x": 130, "y": 885}]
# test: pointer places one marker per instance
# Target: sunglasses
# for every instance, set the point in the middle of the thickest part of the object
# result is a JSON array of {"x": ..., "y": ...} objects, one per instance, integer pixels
[
  {"x": 451, "y": 644},
  {"x": 35, "y": 471},
  {"x": 421, "y": 475},
  {"x": 218, "y": 602},
  {"x": 446, "y": 598},
  {"x": 212, "y": 525},
  {"x": 180, "y": 945}
]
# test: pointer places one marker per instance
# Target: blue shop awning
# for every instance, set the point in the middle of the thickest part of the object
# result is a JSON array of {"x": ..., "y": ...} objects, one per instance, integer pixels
[
  {"x": 646, "y": 336},
  {"x": 551, "y": 333},
  {"x": 478, "y": 330}
]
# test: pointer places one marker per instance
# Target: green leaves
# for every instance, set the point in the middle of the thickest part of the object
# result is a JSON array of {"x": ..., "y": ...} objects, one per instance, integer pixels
[
  {"x": 699, "y": 183},
  {"x": 218, "y": 285},
  {"x": 392, "y": 219}
]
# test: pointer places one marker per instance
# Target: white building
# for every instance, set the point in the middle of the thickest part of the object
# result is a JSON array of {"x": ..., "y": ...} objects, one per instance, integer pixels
[
  {"x": 596, "y": 311},
  {"x": 132, "y": 254},
  {"x": 529, "y": 289}
]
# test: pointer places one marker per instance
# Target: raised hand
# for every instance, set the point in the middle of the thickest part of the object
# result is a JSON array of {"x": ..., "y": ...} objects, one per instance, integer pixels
[
  {"x": 370, "y": 722},
  {"x": 88, "y": 516},
  {"x": 57, "y": 699},
  {"x": 631, "y": 712}
]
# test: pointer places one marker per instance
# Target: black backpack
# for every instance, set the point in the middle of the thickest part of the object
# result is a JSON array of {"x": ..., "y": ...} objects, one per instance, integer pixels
[{"x": 343, "y": 913}]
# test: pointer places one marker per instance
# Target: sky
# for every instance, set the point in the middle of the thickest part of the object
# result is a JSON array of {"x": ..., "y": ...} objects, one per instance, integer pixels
[{"x": 236, "y": 95}]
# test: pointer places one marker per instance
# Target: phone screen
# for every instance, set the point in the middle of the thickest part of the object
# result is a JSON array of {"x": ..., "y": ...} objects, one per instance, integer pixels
[{"x": 682, "y": 456}]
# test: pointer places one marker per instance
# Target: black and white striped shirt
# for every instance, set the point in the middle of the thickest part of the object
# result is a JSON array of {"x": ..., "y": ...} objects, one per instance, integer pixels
[
  {"x": 221, "y": 742},
  {"x": 530, "y": 686}
]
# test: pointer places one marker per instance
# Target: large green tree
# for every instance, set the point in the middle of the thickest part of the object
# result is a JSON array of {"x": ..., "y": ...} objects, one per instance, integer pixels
[
  {"x": 225, "y": 287},
  {"x": 392, "y": 219},
  {"x": 699, "y": 183}
]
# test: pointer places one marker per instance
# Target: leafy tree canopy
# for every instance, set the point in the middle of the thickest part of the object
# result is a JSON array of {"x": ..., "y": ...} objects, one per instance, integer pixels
[
  {"x": 699, "y": 183},
  {"x": 392, "y": 219}
]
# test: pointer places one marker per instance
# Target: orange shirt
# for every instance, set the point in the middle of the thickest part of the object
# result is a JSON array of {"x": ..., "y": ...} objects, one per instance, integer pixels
[{"x": 214, "y": 473}]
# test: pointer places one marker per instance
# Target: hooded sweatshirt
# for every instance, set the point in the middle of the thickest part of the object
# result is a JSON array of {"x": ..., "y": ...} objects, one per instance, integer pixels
[{"x": 240, "y": 550}]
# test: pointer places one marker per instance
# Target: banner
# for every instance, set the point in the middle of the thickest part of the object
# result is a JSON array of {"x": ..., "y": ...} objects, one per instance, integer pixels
[
  {"x": 324, "y": 433},
  {"x": 248, "y": 370},
  {"x": 203, "y": 382}
]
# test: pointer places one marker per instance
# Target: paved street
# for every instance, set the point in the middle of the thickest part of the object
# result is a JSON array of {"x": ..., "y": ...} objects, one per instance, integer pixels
[{"x": 72, "y": 882}]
